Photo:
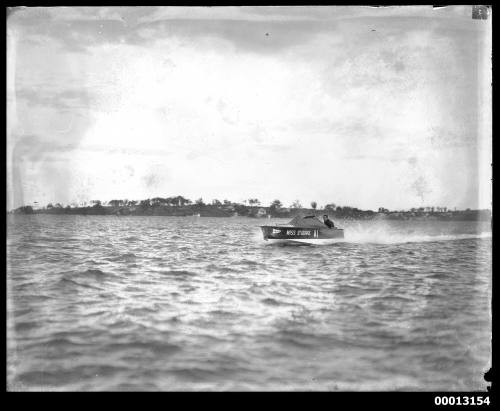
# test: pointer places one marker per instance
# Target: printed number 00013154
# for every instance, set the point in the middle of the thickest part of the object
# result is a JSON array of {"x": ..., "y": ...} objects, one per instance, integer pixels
[{"x": 462, "y": 400}]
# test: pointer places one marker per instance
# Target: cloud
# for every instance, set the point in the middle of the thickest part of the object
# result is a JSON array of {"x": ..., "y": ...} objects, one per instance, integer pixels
[
  {"x": 74, "y": 31},
  {"x": 34, "y": 148},
  {"x": 293, "y": 13},
  {"x": 344, "y": 93},
  {"x": 61, "y": 99},
  {"x": 77, "y": 30},
  {"x": 156, "y": 177}
]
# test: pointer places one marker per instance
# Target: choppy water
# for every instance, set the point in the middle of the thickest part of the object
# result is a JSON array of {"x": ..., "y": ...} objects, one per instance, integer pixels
[{"x": 166, "y": 303}]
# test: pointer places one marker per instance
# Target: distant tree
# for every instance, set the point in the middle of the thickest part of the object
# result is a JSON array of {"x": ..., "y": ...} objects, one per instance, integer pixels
[
  {"x": 346, "y": 210},
  {"x": 24, "y": 210},
  {"x": 95, "y": 203},
  {"x": 114, "y": 203},
  {"x": 276, "y": 204},
  {"x": 254, "y": 202},
  {"x": 144, "y": 204},
  {"x": 179, "y": 201},
  {"x": 216, "y": 202},
  {"x": 339, "y": 209},
  {"x": 58, "y": 205},
  {"x": 330, "y": 206},
  {"x": 131, "y": 203},
  {"x": 314, "y": 204},
  {"x": 296, "y": 204},
  {"x": 241, "y": 209},
  {"x": 200, "y": 202},
  {"x": 49, "y": 206},
  {"x": 158, "y": 201}
]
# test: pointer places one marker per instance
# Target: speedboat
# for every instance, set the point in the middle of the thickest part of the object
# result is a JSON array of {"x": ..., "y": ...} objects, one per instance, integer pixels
[{"x": 307, "y": 229}]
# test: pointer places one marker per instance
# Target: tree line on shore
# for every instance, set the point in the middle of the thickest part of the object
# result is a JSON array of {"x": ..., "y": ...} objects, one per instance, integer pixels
[{"x": 181, "y": 206}]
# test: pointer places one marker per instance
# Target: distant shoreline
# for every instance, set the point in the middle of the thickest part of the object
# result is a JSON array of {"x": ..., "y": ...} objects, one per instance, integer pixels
[{"x": 240, "y": 210}]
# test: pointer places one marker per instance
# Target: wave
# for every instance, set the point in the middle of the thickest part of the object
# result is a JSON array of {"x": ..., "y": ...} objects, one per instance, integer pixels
[
  {"x": 218, "y": 269},
  {"x": 270, "y": 301},
  {"x": 115, "y": 257},
  {"x": 93, "y": 272},
  {"x": 152, "y": 347},
  {"x": 383, "y": 237},
  {"x": 57, "y": 239},
  {"x": 368, "y": 237},
  {"x": 223, "y": 313},
  {"x": 381, "y": 232},
  {"x": 21, "y": 326},
  {"x": 246, "y": 261},
  {"x": 82, "y": 278},
  {"x": 394, "y": 233},
  {"x": 178, "y": 273},
  {"x": 70, "y": 282}
]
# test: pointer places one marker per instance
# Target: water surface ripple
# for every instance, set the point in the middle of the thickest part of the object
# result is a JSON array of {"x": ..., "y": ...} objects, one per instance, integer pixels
[{"x": 171, "y": 303}]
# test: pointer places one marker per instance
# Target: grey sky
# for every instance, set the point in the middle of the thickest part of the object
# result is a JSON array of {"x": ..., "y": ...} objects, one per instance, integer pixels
[{"x": 359, "y": 106}]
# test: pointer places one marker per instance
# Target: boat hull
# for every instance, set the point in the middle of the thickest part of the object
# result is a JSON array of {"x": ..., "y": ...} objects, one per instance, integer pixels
[
  {"x": 305, "y": 242},
  {"x": 308, "y": 235}
]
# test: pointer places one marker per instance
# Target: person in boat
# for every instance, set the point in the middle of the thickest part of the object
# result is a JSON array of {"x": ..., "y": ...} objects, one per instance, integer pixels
[{"x": 328, "y": 222}]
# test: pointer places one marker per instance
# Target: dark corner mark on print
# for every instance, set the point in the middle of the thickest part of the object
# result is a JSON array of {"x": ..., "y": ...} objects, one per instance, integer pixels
[
  {"x": 480, "y": 12},
  {"x": 488, "y": 376}
]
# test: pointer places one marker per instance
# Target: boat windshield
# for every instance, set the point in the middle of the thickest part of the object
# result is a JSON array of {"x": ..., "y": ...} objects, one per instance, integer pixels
[{"x": 307, "y": 221}]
